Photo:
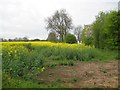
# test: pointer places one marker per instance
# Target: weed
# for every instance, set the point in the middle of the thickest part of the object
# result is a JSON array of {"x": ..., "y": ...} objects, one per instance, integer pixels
[
  {"x": 59, "y": 80},
  {"x": 52, "y": 65},
  {"x": 74, "y": 80},
  {"x": 66, "y": 63}
]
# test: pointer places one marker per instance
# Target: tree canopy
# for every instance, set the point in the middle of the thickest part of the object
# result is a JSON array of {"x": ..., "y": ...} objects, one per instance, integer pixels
[
  {"x": 60, "y": 23},
  {"x": 104, "y": 31},
  {"x": 70, "y": 38}
]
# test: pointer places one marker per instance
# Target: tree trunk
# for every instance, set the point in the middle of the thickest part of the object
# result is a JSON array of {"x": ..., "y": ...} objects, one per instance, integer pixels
[
  {"x": 78, "y": 37},
  {"x": 61, "y": 38}
]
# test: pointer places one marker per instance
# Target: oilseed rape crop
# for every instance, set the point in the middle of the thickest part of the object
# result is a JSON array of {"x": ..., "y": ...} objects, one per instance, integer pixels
[
  {"x": 20, "y": 58},
  {"x": 27, "y": 59}
]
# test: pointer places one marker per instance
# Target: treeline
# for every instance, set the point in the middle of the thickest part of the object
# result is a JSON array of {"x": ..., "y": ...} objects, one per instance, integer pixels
[
  {"x": 104, "y": 31},
  {"x": 19, "y": 39}
]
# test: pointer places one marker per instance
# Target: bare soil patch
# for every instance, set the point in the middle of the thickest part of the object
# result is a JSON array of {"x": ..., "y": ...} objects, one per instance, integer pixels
[{"x": 84, "y": 75}]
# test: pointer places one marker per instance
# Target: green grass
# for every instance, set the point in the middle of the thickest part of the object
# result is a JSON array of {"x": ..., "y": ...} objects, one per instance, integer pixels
[
  {"x": 25, "y": 60},
  {"x": 67, "y": 63},
  {"x": 9, "y": 82}
]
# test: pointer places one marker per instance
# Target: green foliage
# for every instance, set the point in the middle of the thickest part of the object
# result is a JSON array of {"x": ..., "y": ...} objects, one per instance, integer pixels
[
  {"x": 52, "y": 37},
  {"x": 27, "y": 60},
  {"x": 87, "y": 36},
  {"x": 52, "y": 65},
  {"x": 105, "y": 30},
  {"x": 18, "y": 61},
  {"x": 74, "y": 80},
  {"x": 28, "y": 46},
  {"x": 69, "y": 53},
  {"x": 67, "y": 63},
  {"x": 69, "y": 38},
  {"x": 9, "y": 82}
]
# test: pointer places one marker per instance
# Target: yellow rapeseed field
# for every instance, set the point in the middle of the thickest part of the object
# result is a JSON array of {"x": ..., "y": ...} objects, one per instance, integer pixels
[{"x": 50, "y": 44}]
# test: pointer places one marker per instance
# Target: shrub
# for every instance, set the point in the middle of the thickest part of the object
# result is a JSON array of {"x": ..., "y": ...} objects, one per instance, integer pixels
[
  {"x": 69, "y": 38},
  {"x": 52, "y": 37}
]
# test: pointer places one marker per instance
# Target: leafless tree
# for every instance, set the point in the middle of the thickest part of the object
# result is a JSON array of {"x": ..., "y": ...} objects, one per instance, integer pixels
[{"x": 78, "y": 32}]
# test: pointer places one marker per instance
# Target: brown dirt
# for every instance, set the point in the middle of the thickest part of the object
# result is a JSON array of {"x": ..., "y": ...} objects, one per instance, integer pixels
[{"x": 84, "y": 74}]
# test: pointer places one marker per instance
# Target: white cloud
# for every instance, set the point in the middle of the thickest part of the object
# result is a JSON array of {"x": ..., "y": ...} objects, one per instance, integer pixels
[{"x": 20, "y": 18}]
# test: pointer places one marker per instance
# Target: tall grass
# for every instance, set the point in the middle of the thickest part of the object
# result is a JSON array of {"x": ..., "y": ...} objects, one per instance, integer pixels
[{"x": 25, "y": 59}]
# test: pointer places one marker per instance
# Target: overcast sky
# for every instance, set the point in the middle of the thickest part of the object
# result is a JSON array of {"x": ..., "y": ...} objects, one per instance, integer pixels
[{"x": 19, "y": 18}]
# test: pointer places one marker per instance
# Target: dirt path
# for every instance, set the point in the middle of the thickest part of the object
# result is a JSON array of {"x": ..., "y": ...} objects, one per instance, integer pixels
[{"x": 84, "y": 74}]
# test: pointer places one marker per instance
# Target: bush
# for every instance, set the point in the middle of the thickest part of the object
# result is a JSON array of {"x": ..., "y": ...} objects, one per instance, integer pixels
[
  {"x": 52, "y": 37},
  {"x": 69, "y": 38}
]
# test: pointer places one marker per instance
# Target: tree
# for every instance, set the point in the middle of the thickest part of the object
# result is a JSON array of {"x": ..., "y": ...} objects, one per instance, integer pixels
[
  {"x": 9, "y": 40},
  {"x": 36, "y": 39},
  {"x": 52, "y": 36},
  {"x": 3, "y": 40},
  {"x": 25, "y": 39},
  {"x": 112, "y": 27},
  {"x": 106, "y": 29},
  {"x": 98, "y": 29},
  {"x": 77, "y": 32},
  {"x": 70, "y": 38},
  {"x": 60, "y": 23},
  {"x": 87, "y": 36}
]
